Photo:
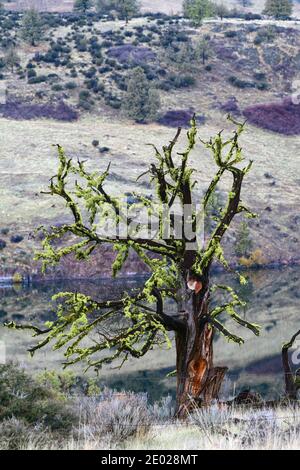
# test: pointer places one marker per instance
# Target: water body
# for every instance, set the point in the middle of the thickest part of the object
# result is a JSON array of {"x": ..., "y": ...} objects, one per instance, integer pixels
[{"x": 273, "y": 301}]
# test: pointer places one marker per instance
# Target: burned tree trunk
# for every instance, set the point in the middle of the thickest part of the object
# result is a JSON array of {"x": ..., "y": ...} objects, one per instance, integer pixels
[
  {"x": 198, "y": 381},
  {"x": 291, "y": 383}
]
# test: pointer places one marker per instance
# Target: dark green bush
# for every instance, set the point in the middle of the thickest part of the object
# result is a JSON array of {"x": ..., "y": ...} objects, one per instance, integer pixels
[
  {"x": 31, "y": 73},
  {"x": 23, "y": 398},
  {"x": 230, "y": 34},
  {"x": 71, "y": 85},
  {"x": 237, "y": 82},
  {"x": 57, "y": 87},
  {"x": 37, "y": 79}
]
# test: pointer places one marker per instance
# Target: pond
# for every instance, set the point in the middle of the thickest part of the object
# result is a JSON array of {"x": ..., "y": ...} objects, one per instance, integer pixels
[{"x": 273, "y": 301}]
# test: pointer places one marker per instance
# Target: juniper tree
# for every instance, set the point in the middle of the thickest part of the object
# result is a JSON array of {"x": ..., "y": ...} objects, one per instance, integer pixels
[
  {"x": 128, "y": 8},
  {"x": 221, "y": 10},
  {"x": 197, "y": 10},
  {"x": 141, "y": 102},
  {"x": 32, "y": 27},
  {"x": 278, "y": 8},
  {"x": 82, "y": 5},
  {"x": 203, "y": 49},
  {"x": 98, "y": 332},
  {"x": 11, "y": 59}
]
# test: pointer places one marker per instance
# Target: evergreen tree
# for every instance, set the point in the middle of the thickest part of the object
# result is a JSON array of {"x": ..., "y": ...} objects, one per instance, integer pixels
[
  {"x": 221, "y": 10},
  {"x": 243, "y": 242},
  {"x": 105, "y": 6},
  {"x": 82, "y": 5},
  {"x": 141, "y": 102},
  {"x": 278, "y": 8},
  {"x": 128, "y": 8},
  {"x": 125, "y": 9},
  {"x": 11, "y": 59},
  {"x": 197, "y": 10},
  {"x": 203, "y": 49},
  {"x": 32, "y": 27}
]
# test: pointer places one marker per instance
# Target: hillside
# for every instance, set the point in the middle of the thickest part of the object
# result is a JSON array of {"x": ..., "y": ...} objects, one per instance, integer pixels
[
  {"x": 81, "y": 77},
  {"x": 169, "y": 7}
]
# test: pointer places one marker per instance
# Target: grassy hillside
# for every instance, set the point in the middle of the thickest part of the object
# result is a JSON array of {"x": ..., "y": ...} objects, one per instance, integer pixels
[
  {"x": 167, "y": 6},
  {"x": 246, "y": 64}
]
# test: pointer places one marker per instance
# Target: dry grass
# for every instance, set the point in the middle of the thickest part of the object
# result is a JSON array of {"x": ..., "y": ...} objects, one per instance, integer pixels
[
  {"x": 36, "y": 415},
  {"x": 28, "y": 159},
  {"x": 233, "y": 429}
]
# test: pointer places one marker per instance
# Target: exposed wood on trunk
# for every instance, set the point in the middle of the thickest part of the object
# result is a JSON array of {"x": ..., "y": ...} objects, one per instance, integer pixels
[
  {"x": 291, "y": 386},
  {"x": 198, "y": 381}
]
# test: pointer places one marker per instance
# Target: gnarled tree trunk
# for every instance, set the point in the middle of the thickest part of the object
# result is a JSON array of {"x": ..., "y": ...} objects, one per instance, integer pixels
[
  {"x": 198, "y": 381},
  {"x": 291, "y": 384}
]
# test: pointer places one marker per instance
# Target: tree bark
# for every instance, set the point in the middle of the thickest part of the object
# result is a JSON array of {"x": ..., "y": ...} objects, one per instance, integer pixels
[
  {"x": 290, "y": 386},
  {"x": 291, "y": 382},
  {"x": 198, "y": 381}
]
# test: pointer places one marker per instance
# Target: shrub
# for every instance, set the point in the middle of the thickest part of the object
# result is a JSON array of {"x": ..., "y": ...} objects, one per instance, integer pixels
[
  {"x": 19, "y": 110},
  {"x": 61, "y": 384},
  {"x": 252, "y": 16},
  {"x": 16, "y": 434},
  {"x": 176, "y": 118},
  {"x": 57, "y": 87},
  {"x": 90, "y": 73},
  {"x": 104, "y": 149},
  {"x": 231, "y": 106},
  {"x": 282, "y": 117},
  {"x": 17, "y": 278},
  {"x": 259, "y": 75},
  {"x": 265, "y": 35},
  {"x": 31, "y": 73},
  {"x": 237, "y": 82},
  {"x": 118, "y": 415},
  {"x": 37, "y": 79},
  {"x": 130, "y": 53},
  {"x": 256, "y": 258},
  {"x": 230, "y": 34},
  {"x": 23, "y": 398},
  {"x": 2, "y": 244},
  {"x": 16, "y": 238},
  {"x": 71, "y": 85},
  {"x": 84, "y": 95},
  {"x": 262, "y": 86},
  {"x": 184, "y": 81}
]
